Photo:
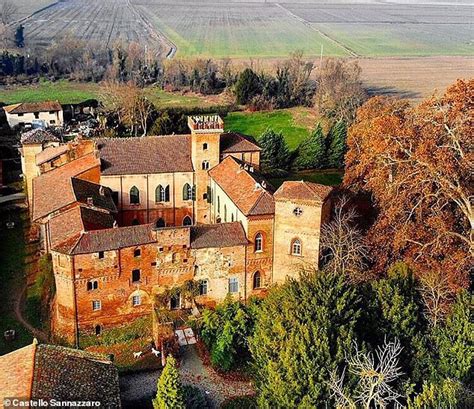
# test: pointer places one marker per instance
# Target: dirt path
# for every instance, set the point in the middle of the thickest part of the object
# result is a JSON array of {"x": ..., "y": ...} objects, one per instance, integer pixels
[{"x": 18, "y": 301}]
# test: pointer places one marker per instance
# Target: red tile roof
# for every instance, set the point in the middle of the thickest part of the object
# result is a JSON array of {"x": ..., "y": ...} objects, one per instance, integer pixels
[
  {"x": 16, "y": 373},
  {"x": 53, "y": 190},
  {"x": 152, "y": 154},
  {"x": 243, "y": 187},
  {"x": 218, "y": 235},
  {"x": 51, "y": 153},
  {"x": 30, "y": 107},
  {"x": 232, "y": 142},
  {"x": 301, "y": 190}
]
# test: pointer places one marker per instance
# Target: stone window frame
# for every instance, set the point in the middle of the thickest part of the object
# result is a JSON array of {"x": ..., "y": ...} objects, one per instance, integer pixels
[
  {"x": 94, "y": 285},
  {"x": 96, "y": 305},
  {"x": 257, "y": 276},
  {"x": 203, "y": 284},
  {"x": 136, "y": 300},
  {"x": 134, "y": 195},
  {"x": 296, "y": 241},
  {"x": 134, "y": 272},
  {"x": 257, "y": 248},
  {"x": 185, "y": 218},
  {"x": 233, "y": 281}
]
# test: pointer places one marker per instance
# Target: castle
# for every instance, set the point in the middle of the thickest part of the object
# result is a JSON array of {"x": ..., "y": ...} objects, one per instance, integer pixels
[{"x": 126, "y": 218}]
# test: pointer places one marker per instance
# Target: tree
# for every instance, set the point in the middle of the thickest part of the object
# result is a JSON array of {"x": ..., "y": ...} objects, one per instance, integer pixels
[
  {"x": 339, "y": 89},
  {"x": 7, "y": 12},
  {"x": 303, "y": 330},
  {"x": 417, "y": 165},
  {"x": 275, "y": 153},
  {"x": 337, "y": 145},
  {"x": 344, "y": 248},
  {"x": 247, "y": 86},
  {"x": 225, "y": 331},
  {"x": 375, "y": 378},
  {"x": 19, "y": 36},
  {"x": 170, "y": 393},
  {"x": 312, "y": 151}
]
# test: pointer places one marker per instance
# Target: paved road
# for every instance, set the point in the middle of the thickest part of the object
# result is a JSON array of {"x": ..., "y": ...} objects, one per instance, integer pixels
[{"x": 142, "y": 386}]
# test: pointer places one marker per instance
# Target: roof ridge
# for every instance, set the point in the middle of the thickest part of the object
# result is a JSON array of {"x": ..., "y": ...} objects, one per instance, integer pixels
[{"x": 127, "y": 138}]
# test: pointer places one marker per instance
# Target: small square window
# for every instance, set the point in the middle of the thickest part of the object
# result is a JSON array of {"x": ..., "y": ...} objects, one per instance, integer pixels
[
  {"x": 161, "y": 249},
  {"x": 153, "y": 263},
  {"x": 233, "y": 285},
  {"x": 96, "y": 305},
  {"x": 137, "y": 253},
  {"x": 136, "y": 300},
  {"x": 100, "y": 254}
]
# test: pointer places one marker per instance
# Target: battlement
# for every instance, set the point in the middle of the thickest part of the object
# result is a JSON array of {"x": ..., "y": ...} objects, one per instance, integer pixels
[{"x": 206, "y": 124}]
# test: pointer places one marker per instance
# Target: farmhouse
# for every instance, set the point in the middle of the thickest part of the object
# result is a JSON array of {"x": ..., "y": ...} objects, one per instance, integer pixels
[
  {"x": 48, "y": 113},
  {"x": 125, "y": 219}
]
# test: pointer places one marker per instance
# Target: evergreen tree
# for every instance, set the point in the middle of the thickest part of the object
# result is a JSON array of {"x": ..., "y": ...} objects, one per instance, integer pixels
[
  {"x": 337, "y": 145},
  {"x": 170, "y": 393},
  {"x": 312, "y": 151},
  {"x": 275, "y": 153},
  {"x": 20, "y": 36},
  {"x": 303, "y": 330},
  {"x": 247, "y": 86},
  {"x": 455, "y": 341}
]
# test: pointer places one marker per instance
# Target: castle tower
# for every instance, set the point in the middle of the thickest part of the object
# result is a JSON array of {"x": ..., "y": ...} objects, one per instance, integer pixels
[
  {"x": 206, "y": 132},
  {"x": 32, "y": 143},
  {"x": 300, "y": 210}
]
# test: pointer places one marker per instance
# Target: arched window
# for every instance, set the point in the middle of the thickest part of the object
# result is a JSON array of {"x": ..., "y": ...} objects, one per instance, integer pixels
[
  {"x": 187, "y": 221},
  {"x": 204, "y": 146},
  {"x": 296, "y": 247},
  {"x": 135, "y": 222},
  {"x": 205, "y": 165},
  {"x": 162, "y": 194},
  {"x": 257, "y": 280},
  {"x": 98, "y": 330},
  {"x": 259, "y": 242},
  {"x": 134, "y": 195},
  {"x": 218, "y": 204},
  {"x": 225, "y": 213},
  {"x": 187, "y": 192},
  {"x": 160, "y": 223}
]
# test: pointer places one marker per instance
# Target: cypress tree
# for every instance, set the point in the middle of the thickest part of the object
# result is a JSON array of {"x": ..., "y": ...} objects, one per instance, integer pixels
[
  {"x": 303, "y": 330},
  {"x": 312, "y": 151},
  {"x": 247, "y": 86},
  {"x": 337, "y": 144},
  {"x": 170, "y": 393},
  {"x": 275, "y": 152}
]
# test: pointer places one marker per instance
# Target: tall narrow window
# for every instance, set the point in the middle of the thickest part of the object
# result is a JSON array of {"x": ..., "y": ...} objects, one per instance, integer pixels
[
  {"x": 98, "y": 330},
  {"x": 187, "y": 192},
  {"x": 225, "y": 213},
  {"x": 96, "y": 305},
  {"x": 135, "y": 276},
  {"x": 187, "y": 221},
  {"x": 100, "y": 254},
  {"x": 205, "y": 165},
  {"x": 167, "y": 193},
  {"x": 257, "y": 280},
  {"x": 204, "y": 146},
  {"x": 162, "y": 194},
  {"x": 218, "y": 204},
  {"x": 134, "y": 195},
  {"x": 258, "y": 242},
  {"x": 160, "y": 223},
  {"x": 203, "y": 284},
  {"x": 175, "y": 301},
  {"x": 233, "y": 285},
  {"x": 296, "y": 247},
  {"x": 137, "y": 253}
]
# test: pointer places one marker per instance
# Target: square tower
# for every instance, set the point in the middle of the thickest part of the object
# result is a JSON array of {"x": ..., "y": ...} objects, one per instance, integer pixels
[
  {"x": 300, "y": 210},
  {"x": 206, "y": 131}
]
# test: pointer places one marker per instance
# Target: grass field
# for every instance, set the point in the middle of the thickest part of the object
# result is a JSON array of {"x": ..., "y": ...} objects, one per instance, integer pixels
[
  {"x": 295, "y": 123},
  {"x": 323, "y": 177}
]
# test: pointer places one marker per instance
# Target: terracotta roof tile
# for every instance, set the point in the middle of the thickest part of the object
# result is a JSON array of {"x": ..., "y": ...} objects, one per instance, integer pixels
[
  {"x": 16, "y": 373},
  {"x": 53, "y": 190},
  {"x": 235, "y": 142},
  {"x": 243, "y": 187},
  {"x": 70, "y": 374},
  {"x": 218, "y": 235},
  {"x": 107, "y": 239},
  {"x": 301, "y": 190},
  {"x": 29, "y": 107},
  {"x": 152, "y": 154},
  {"x": 51, "y": 153},
  {"x": 93, "y": 194},
  {"x": 37, "y": 136}
]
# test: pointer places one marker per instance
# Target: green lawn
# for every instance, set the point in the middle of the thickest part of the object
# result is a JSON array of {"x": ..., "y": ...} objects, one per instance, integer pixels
[
  {"x": 295, "y": 124},
  {"x": 12, "y": 276},
  {"x": 323, "y": 177}
]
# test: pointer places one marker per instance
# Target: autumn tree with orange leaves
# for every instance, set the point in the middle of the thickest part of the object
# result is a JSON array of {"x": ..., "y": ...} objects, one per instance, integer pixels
[{"x": 418, "y": 165}]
